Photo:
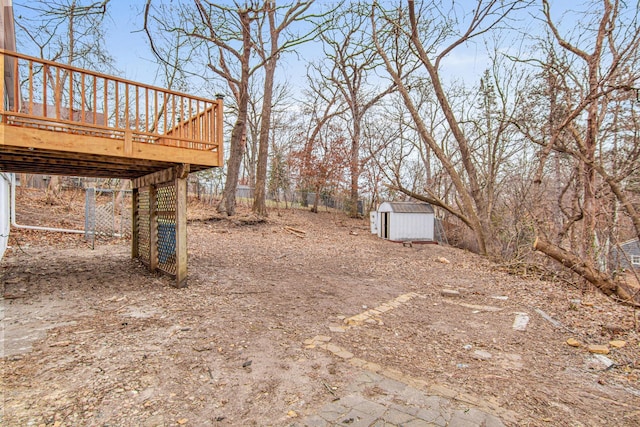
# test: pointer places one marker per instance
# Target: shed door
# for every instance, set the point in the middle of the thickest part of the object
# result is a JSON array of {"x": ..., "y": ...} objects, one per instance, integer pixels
[{"x": 384, "y": 224}]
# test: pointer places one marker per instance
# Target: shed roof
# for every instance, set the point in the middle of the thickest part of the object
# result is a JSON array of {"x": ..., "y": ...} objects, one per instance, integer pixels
[
  {"x": 410, "y": 207},
  {"x": 630, "y": 242}
]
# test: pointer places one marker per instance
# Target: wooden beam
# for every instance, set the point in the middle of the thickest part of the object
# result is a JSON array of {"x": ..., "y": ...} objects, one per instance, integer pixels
[
  {"x": 181, "y": 232},
  {"x": 160, "y": 177},
  {"x": 23, "y": 160},
  {"x": 32, "y": 138},
  {"x": 46, "y": 161},
  {"x": 182, "y": 170},
  {"x": 64, "y": 171},
  {"x": 155, "y": 178}
]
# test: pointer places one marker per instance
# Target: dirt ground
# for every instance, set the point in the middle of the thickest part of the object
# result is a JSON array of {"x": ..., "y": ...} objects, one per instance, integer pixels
[{"x": 92, "y": 338}]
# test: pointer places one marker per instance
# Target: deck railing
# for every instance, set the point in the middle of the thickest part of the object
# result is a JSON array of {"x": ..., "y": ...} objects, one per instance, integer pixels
[{"x": 63, "y": 98}]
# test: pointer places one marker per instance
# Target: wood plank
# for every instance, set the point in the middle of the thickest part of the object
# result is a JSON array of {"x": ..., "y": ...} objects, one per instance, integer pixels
[
  {"x": 18, "y": 136},
  {"x": 181, "y": 232},
  {"x": 74, "y": 162},
  {"x": 60, "y": 163},
  {"x": 155, "y": 178},
  {"x": 66, "y": 156},
  {"x": 98, "y": 170},
  {"x": 90, "y": 172}
]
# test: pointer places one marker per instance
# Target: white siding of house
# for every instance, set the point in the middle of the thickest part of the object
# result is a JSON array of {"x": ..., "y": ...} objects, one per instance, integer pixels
[
  {"x": 4, "y": 212},
  {"x": 7, "y": 42}
]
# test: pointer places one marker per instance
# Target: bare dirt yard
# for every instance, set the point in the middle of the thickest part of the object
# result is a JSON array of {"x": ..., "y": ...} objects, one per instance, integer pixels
[{"x": 92, "y": 338}]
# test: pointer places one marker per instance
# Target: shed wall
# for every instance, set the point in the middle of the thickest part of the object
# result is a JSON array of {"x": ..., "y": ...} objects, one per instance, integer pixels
[{"x": 411, "y": 226}]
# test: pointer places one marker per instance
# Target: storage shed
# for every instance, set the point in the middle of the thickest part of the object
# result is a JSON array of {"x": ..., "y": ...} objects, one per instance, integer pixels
[{"x": 404, "y": 221}]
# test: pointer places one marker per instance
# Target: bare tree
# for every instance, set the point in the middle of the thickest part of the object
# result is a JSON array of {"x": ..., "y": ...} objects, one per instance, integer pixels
[
  {"x": 67, "y": 31},
  {"x": 395, "y": 32},
  {"x": 284, "y": 138},
  {"x": 235, "y": 42},
  {"x": 320, "y": 108},
  {"x": 591, "y": 71},
  {"x": 352, "y": 66},
  {"x": 252, "y": 132},
  {"x": 222, "y": 36},
  {"x": 270, "y": 47},
  {"x": 244, "y": 17}
]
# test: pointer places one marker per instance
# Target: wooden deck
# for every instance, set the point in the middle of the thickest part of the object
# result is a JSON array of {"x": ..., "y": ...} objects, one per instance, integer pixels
[{"x": 62, "y": 120}]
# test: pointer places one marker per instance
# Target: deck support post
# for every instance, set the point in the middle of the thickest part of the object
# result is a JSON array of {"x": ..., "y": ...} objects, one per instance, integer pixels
[
  {"x": 153, "y": 228},
  {"x": 135, "y": 251},
  {"x": 181, "y": 228},
  {"x": 167, "y": 221}
]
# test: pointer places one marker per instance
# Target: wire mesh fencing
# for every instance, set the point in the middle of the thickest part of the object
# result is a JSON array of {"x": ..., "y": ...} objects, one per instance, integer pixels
[{"x": 107, "y": 214}]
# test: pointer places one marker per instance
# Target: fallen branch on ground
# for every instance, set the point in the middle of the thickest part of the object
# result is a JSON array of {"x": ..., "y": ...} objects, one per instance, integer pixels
[
  {"x": 600, "y": 280},
  {"x": 298, "y": 233},
  {"x": 296, "y": 230}
]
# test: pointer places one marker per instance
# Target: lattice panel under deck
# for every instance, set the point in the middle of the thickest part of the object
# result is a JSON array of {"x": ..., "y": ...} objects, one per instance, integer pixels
[
  {"x": 143, "y": 209},
  {"x": 107, "y": 214},
  {"x": 167, "y": 202}
]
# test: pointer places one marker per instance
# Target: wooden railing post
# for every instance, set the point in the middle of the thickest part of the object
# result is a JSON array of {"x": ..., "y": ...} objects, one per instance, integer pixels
[{"x": 219, "y": 128}]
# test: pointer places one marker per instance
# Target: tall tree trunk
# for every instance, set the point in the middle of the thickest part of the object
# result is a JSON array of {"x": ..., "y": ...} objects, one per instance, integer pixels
[
  {"x": 354, "y": 167},
  {"x": 53, "y": 190},
  {"x": 250, "y": 156},
  {"x": 316, "y": 200},
  {"x": 589, "y": 179},
  {"x": 293, "y": 13},
  {"x": 237, "y": 144},
  {"x": 259, "y": 201}
]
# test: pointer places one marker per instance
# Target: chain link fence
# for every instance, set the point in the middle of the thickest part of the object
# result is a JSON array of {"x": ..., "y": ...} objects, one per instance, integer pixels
[{"x": 281, "y": 199}]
